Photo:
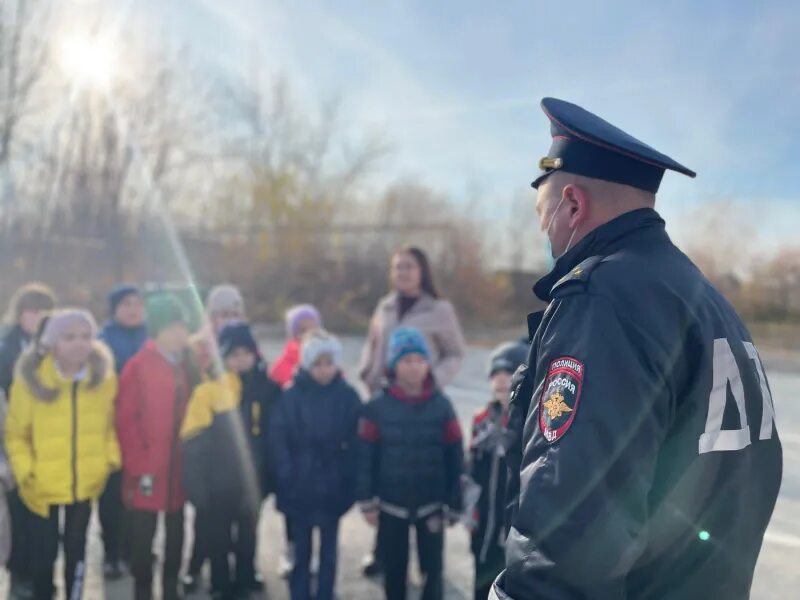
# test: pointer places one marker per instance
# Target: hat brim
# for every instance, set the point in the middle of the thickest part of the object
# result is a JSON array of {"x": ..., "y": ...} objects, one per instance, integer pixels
[{"x": 538, "y": 181}]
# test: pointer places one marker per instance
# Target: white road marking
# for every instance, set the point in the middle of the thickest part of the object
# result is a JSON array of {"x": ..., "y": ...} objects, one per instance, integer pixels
[{"x": 782, "y": 539}]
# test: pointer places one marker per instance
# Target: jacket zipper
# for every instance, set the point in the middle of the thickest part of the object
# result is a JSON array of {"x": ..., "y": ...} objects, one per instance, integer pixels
[
  {"x": 74, "y": 441},
  {"x": 489, "y": 534}
]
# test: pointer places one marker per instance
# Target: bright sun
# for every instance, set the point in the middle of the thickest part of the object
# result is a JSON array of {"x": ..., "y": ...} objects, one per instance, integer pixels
[{"x": 88, "y": 61}]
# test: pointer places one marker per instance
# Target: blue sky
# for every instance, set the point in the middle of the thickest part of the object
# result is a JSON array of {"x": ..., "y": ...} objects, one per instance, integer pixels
[{"x": 455, "y": 86}]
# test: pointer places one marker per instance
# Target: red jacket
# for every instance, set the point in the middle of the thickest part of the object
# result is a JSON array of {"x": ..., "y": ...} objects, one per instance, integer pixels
[
  {"x": 151, "y": 403},
  {"x": 284, "y": 368}
]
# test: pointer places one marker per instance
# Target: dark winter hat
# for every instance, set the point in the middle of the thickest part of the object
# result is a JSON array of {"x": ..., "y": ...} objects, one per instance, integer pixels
[
  {"x": 119, "y": 293},
  {"x": 404, "y": 341},
  {"x": 162, "y": 311},
  {"x": 236, "y": 335},
  {"x": 507, "y": 357}
]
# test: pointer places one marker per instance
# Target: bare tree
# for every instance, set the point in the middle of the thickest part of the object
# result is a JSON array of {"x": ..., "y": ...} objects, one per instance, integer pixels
[
  {"x": 717, "y": 232},
  {"x": 295, "y": 167},
  {"x": 114, "y": 157},
  {"x": 23, "y": 53}
]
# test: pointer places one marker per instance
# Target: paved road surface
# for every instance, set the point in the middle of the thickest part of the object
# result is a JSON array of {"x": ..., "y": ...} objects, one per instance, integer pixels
[{"x": 777, "y": 576}]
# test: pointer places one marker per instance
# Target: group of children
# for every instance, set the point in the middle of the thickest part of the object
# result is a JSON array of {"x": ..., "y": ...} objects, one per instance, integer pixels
[{"x": 145, "y": 416}]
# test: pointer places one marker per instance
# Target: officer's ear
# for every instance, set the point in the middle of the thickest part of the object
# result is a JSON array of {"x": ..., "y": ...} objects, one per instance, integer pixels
[{"x": 576, "y": 200}]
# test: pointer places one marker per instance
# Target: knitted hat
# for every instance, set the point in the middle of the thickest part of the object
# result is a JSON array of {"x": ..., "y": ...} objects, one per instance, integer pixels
[
  {"x": 236, "y": 335},
  {"x": 296, "y": 314},
  {"x": 119, "y": 293},
  {"x": 58, "y": 322},
  {"x": 223, "y": 298},
  {"x": 508, "y": 357},
  {"x": 317, "y": 343},
  {"x": 404, "y": 341},
  {"x": 162, "y": 311}
]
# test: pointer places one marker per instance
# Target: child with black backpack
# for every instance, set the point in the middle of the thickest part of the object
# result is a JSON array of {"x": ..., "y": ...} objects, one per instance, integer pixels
[{"x": 227, "y": 470}]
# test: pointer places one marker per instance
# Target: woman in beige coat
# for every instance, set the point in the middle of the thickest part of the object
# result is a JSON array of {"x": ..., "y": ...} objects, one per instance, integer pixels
[{"x": 413, "y": 302}]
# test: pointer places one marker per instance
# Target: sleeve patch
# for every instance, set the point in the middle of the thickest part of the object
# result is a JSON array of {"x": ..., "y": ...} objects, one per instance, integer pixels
[
  {"x": 561, "y": 393},
  {"x": 452, "y": 432},
  {"x": 368, "y": 430}
]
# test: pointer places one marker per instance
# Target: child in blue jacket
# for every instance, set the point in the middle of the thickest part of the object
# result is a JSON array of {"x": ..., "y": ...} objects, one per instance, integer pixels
[{"x": 314, "y": 434}]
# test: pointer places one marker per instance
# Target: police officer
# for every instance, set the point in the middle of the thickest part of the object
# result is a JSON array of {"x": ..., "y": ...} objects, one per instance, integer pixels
[{"x": 645, "y": 461}]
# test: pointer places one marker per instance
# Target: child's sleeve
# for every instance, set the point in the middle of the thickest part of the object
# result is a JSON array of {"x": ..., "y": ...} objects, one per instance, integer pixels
[
  {"x": 113, "y": 455},
  {"x": 452, "y": 347},
  {"x": 196, "y": 445},
  {"x": 454, "y": 458},
  {"x": 18, "y": 432},
  {"x": 368, "y": 457},
  {"x": 350, "y": 446},
  {"x": 279, "y": 442},
  {"x": 469, "y": 458},
  {"x": 128, "y": 420}
]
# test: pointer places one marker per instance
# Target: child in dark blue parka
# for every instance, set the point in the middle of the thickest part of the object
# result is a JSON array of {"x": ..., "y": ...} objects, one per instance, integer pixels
[{"x": 314, "y": 434}]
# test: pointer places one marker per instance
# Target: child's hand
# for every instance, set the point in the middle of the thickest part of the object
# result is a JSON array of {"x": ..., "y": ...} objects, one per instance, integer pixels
[
  {"x": 371, "y": 517},
  {"x": 434, "y": 523},
  {"x": 146, "y": 485},
  {"x": 472, "y": 523}
]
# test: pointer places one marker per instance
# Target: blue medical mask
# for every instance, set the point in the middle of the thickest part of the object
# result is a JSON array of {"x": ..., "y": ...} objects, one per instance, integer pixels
[{"x": 550, "y": 260}]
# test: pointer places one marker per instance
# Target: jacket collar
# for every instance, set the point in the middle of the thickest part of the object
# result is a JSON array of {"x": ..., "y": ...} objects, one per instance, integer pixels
[
  {"x": 233, "y": 381},
  {"x": 424, "y": 303},
  {"x": 645, "y": 224},
  {"x": 43, "y": 379},
  {"x": 534, "y": 320},
  {"x": 151, "y": 347},
  {"x": 303, "y": 379},
  {"x": 113, "y": 328},
  {"x": 428, "y": 391}
]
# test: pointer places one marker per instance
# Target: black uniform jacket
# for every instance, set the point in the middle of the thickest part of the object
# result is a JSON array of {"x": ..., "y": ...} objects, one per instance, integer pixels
[{"x": 644, "y": 460}]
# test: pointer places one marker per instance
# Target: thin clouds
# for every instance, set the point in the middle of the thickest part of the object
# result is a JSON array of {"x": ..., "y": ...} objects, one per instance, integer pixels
[{"x": 458, "y": 93}]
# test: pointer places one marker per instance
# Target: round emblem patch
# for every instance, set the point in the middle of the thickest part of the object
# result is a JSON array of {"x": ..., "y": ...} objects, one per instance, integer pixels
[{"x": 561, "y": 393}]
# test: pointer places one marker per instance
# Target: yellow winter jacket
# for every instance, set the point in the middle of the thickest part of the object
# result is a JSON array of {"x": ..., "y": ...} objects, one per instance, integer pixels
[
  {"x": 60, "y": 436},
  {"x": 210, "y": 398}
]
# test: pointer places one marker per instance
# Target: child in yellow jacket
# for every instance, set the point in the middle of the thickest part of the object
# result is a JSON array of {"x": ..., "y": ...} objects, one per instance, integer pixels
[{"x": 60, "y": 440}]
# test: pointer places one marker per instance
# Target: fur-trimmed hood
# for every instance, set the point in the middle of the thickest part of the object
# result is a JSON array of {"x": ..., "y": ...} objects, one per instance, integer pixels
[{"x": 40, "y": 374}]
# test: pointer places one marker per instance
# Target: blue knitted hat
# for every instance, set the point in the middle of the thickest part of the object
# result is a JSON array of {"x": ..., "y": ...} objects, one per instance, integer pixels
[{"x": 404, "y": 341}]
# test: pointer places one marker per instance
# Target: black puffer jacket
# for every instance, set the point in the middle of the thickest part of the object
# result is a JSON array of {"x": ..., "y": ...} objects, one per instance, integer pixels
[
  {"x": 411, "y": 457},
  {"x": 260, "y": 397},
  {"x": 313, "y": 441},
  {"x": 217, "y": 467},
  {"x": 645, "y": 461},
  {"x": 11, "y": 347},
  {"x": 488, "y": 469}
]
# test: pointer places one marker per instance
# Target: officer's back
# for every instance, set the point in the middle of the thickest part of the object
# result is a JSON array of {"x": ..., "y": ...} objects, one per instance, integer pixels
[{"x": 649, "y": 463}]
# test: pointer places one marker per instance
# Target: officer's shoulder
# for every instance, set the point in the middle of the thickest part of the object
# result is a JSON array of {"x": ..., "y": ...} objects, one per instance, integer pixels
[
  {"x": 599, "y": 274},
  {"x": 577, "y": 280}
]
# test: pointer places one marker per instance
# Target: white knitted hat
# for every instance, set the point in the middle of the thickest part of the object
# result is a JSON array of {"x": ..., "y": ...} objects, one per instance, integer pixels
[{"x": 319, "y": 342}]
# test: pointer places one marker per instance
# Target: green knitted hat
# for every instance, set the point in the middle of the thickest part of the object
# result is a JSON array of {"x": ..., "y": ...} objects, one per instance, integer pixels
[{"x": 162, "y": 311}]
